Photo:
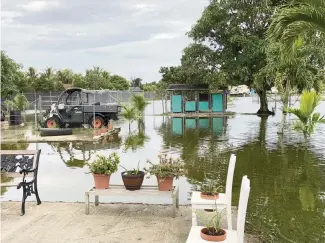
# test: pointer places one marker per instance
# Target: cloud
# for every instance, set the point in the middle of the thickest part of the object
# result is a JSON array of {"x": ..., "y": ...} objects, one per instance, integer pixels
[
  {"x": 127, "y": 37},
  {"x": 38, "y": 6}
]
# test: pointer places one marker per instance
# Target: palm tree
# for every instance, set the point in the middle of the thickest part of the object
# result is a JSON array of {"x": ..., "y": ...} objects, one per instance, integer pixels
[
  {"x": 140, "y": 103},
  {"x": 32, "y": 75},
  {"x": 130, "y": 114},
  {"x": 308, "y": 119},
  {"x": 295, "y": 19}
]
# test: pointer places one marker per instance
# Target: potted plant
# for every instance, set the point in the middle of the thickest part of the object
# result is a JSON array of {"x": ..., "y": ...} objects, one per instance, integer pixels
[
  {"x": 15, "y": 107},
  {"x": 210, "y": 189},
  {"x": 102, "y": 168},
  {"x": 166, "y": 170},
  {"x": 132, "y": 179},
  {"x": 212, "y": 230}
]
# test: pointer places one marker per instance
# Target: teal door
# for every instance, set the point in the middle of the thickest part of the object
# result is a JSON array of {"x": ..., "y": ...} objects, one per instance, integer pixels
[
  {"x": 217, "y": 103},
  {"x": 177, "y": 103},
  {"x": 177, "y": 126},
  {"x": 217, "y": 125},
  {"x": 190, "y": 106},
  {"x": 204, "y": 123},
  {"x": 190, "y": 123}
]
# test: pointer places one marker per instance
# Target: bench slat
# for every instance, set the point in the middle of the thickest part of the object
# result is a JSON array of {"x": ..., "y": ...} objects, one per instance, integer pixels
[
  {"x": 16, "y": 181},
  {"x": 18, "y": 152}
]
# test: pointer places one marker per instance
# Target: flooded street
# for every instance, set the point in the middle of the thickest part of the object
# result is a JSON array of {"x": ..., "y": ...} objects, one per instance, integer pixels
[{"x": 287, "y": 200}]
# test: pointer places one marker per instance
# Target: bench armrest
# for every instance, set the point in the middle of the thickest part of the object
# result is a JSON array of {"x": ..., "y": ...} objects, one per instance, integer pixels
[{"x": 26, "y": 171}]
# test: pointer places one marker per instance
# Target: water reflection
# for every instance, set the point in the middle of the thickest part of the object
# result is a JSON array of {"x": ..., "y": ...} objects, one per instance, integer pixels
[
  {"x": 286, "y": 202},
  {"x": 135, "y": 141},
  {"x": 77, "y": 154}
]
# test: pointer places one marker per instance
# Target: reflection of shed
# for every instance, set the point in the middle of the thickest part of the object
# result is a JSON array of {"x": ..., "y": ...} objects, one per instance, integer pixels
[
  {"x": 216, "y": 125},
  {"x": 196, "y": 98}
]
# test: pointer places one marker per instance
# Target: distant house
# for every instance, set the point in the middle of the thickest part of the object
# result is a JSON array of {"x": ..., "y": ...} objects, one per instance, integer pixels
[
  {"x": 135, "y": 89},
  {"x": 196, "y": 98}
]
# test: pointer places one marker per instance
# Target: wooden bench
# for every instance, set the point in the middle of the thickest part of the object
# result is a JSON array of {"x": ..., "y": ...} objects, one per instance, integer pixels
[
  {"x": 23, "y": 172},
  {"x": 146, "y": 190}
]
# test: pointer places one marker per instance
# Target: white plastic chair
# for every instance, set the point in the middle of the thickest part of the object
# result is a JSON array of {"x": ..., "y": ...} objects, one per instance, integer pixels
[
  {"x": 233, "y": 236},
  {"x": 224, "y": 200}
]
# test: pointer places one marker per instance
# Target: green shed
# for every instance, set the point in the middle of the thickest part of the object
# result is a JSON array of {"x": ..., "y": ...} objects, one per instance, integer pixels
[{"x": 196, "y": 98}]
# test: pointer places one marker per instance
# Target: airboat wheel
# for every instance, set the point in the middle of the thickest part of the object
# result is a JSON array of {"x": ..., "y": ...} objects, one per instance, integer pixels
[
  {"x": 52, "y": 122},
  {"x": 98, "y": 122}
]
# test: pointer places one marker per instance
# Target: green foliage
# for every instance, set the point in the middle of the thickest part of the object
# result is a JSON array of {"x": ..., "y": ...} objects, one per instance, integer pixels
[
  {"x": 308, "y": 119},
  {"x": 140, "y": 103},
  {"x": 209, "y": 187},
  {"x": 167, "y": 167},
  {"x": 296, "y": 19},
  {"x": 10, "y": 74},
  {"x": 105, "y": 165},
  {"x": 150, "y": 87},
  {"x": 129, "y": 113},
  {"x": 14, "y": 80},
  {"x": 134, "y": 171},
  {"x": 20, "y": 102},
  {"x": 213, "y": 224},
  {"x": 136, "y": 82},
  {"x": 135, "y": 141}
]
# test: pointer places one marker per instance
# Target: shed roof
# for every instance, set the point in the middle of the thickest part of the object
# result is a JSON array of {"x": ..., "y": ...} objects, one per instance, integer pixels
[{"x": 186, "y": 87}]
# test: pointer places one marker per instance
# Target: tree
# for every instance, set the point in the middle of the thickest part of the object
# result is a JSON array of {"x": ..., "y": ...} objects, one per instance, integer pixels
[
  {"x": 10, "y": 74},
  {"x": 234, "y": 30},
  {"x": 32, "y": 75},
  {"x": 119, "y": 83},
  {"x": 65, "y": 76},
  {"x": 130, "y": 114},
  {"x": 79, "y": 81},
  {"x": 136, "y": 82},
  {"x": 307, "y": 117},
  {"x": 296, "y": 19}
]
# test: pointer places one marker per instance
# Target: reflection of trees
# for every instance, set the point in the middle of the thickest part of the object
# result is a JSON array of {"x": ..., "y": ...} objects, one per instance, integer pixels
[
  {"x": 135, "y": 141},
  {"x": 286, "y": 183},
  {"x": 87, "y": 149}
]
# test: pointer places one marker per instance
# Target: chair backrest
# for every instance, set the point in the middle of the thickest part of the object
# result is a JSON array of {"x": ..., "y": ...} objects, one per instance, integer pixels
[
  {"x": 229, "y": 182},
  {"x": 242, "y": 208},
  {"x": 230, "y": 175}
]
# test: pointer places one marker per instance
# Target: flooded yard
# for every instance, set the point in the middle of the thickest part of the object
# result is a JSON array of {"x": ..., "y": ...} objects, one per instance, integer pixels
[{"x": 287, "y": 200}]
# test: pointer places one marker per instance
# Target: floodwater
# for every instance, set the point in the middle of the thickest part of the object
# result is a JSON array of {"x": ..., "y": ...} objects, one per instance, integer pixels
[{"x": 287, "y": 200}]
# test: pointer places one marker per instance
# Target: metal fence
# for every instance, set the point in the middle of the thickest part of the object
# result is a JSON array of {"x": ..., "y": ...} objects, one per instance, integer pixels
[{"x": 44, "y": 100}]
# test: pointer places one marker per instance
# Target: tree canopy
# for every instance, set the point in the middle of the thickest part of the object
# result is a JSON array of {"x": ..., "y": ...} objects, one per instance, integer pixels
[{"x": 14, "y": 80}]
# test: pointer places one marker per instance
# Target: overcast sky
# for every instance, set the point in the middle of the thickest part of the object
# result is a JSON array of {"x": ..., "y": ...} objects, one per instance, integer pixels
[{"x": 132, "y": 38}]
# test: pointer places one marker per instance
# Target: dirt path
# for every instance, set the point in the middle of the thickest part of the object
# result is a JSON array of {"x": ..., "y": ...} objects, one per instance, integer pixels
[{"x": 107, "y": 223}]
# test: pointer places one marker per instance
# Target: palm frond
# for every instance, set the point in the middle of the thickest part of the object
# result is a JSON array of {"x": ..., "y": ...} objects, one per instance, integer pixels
[{"x": 293, "y": 20}]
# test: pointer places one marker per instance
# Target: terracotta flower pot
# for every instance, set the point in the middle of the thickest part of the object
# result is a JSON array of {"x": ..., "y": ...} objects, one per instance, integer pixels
[
  {"x": 101, "y": 181},
  {"x": 215, "y": 238},
  {"x": 209, "y": 197},
  {"x": 165, "y": 183},
  {"x": 132, "y": 182}
]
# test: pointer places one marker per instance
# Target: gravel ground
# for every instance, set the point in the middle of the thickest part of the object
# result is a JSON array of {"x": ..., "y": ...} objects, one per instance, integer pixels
[{"x": 107, "y": 223}]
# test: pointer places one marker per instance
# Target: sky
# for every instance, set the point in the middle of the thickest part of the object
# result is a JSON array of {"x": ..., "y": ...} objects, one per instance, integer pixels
[{"x": 131, "y": 38}]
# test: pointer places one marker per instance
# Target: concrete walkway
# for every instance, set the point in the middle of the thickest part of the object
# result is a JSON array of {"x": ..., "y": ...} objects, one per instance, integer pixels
[{"x": 107, "y": 223}]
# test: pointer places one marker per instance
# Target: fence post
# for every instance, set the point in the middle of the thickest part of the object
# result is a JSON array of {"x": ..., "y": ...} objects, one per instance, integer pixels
[{"x": 35, "y": 107}]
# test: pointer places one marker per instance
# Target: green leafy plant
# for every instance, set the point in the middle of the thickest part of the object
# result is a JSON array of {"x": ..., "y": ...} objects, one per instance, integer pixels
[
  {"x": 105, "y": 165},
  {"x": 130, "y": 114},
  {"x": 167, "y": 167},
  {"x": 134, "y": 171},
  {"x": 210, "y": 187},
  {"x": 140, "y": 103},
  {"x": 213, "y": 223},
  {"x": 308, "y": 119}
]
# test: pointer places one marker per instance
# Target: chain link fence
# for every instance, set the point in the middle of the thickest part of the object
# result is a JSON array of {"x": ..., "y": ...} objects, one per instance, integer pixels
[{"x": 46, "y": 99}]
